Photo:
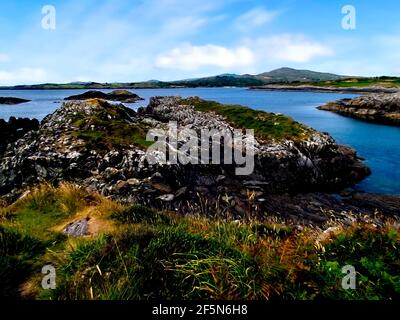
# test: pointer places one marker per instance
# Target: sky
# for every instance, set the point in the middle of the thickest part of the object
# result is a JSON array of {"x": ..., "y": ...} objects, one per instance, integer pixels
[{"x": 139, "y": 40}]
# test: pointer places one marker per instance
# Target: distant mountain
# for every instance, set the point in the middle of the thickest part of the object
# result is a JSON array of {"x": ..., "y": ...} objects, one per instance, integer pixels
[
  {"x": 278, "y": 76},
  {"x": 221, "y": 81},
  {"x": 282, "y": 75},
  {"x": 295, "y": 75}
]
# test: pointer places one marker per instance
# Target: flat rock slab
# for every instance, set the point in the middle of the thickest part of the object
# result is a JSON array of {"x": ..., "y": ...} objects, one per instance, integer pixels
[{"x": 77, "y": 228}]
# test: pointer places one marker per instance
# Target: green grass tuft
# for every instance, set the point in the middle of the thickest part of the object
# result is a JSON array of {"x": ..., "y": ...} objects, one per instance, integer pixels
[
  {"x": 140, "y": 214},
  {"x": 266, "y": 125},
  {"x": 17, "y": 252}
]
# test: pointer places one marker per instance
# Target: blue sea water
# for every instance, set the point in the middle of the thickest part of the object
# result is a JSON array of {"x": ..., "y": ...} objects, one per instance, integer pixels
[{"x": 378, "y": 144}]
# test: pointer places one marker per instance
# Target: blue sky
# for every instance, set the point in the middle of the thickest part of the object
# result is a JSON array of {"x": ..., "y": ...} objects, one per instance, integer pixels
[{"x": 132, "y": 40}]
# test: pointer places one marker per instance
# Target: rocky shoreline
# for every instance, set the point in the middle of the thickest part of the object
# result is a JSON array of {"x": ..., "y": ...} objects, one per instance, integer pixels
[
  {"x": 102, "y": 147},
  {"x": 309, "y": 88},
  {"x": 378, "y": 108}
]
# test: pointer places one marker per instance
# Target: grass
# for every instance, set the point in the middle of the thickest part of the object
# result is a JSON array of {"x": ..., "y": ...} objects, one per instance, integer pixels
[
  {"x": 17, "y": 252},
  {"x": 44, "y": 207},
  {"x": 112, "y": 134},
  {"x": 266, "y": 125},
  {"x": 149, "y": 254},
  {"x": 374, "y": 255},
  {"x": 139, "y": 214}
]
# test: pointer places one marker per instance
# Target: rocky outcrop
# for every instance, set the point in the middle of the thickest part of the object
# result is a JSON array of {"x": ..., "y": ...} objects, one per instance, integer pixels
[
  {"x": 315, "y": 162},
  {"x": 309, "y": 88},
  {"x": 102, "y": 147},
  {"x": 379, "y": 108},
  {"x": 116, "y": 95},
  {"x": 12, "y": 100},
  {"x": 15, "y": 129}
]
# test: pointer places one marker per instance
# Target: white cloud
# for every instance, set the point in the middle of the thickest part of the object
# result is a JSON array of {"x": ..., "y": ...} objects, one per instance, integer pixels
[
  {"x": 22, "y": 75},
  {"x": 189, "y": 57},
  {"x": 288, "y": 48},
  {"x": 256, "y": 17},
  {"x": 4, "y": 58}
]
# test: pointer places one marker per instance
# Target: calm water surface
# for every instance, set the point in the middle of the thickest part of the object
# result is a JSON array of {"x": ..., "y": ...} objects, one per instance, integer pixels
[{"x": 378, "y": 144}]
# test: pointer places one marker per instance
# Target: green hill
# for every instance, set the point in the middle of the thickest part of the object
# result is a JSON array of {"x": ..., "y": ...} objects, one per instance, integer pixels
[{"x": 294, "y": 75}]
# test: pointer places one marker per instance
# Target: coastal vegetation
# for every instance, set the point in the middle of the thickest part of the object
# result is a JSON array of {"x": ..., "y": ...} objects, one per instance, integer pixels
[
  {"x": 102, "y": 133},
  {"x": 133, "y": 252}
]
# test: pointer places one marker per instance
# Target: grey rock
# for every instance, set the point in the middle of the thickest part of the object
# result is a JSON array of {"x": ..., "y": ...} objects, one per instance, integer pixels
[
  {"x": 78, "y": 228},
  {"x": 167, "y": 197}
]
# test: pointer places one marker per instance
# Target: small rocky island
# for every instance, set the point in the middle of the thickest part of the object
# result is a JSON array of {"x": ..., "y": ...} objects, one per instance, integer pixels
[
  {"x": 378, "y": 108},
  {"x": 12, "y": 100},
  {"x": 101, "y": 147},
  {"x": 116, "y": 95}
]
